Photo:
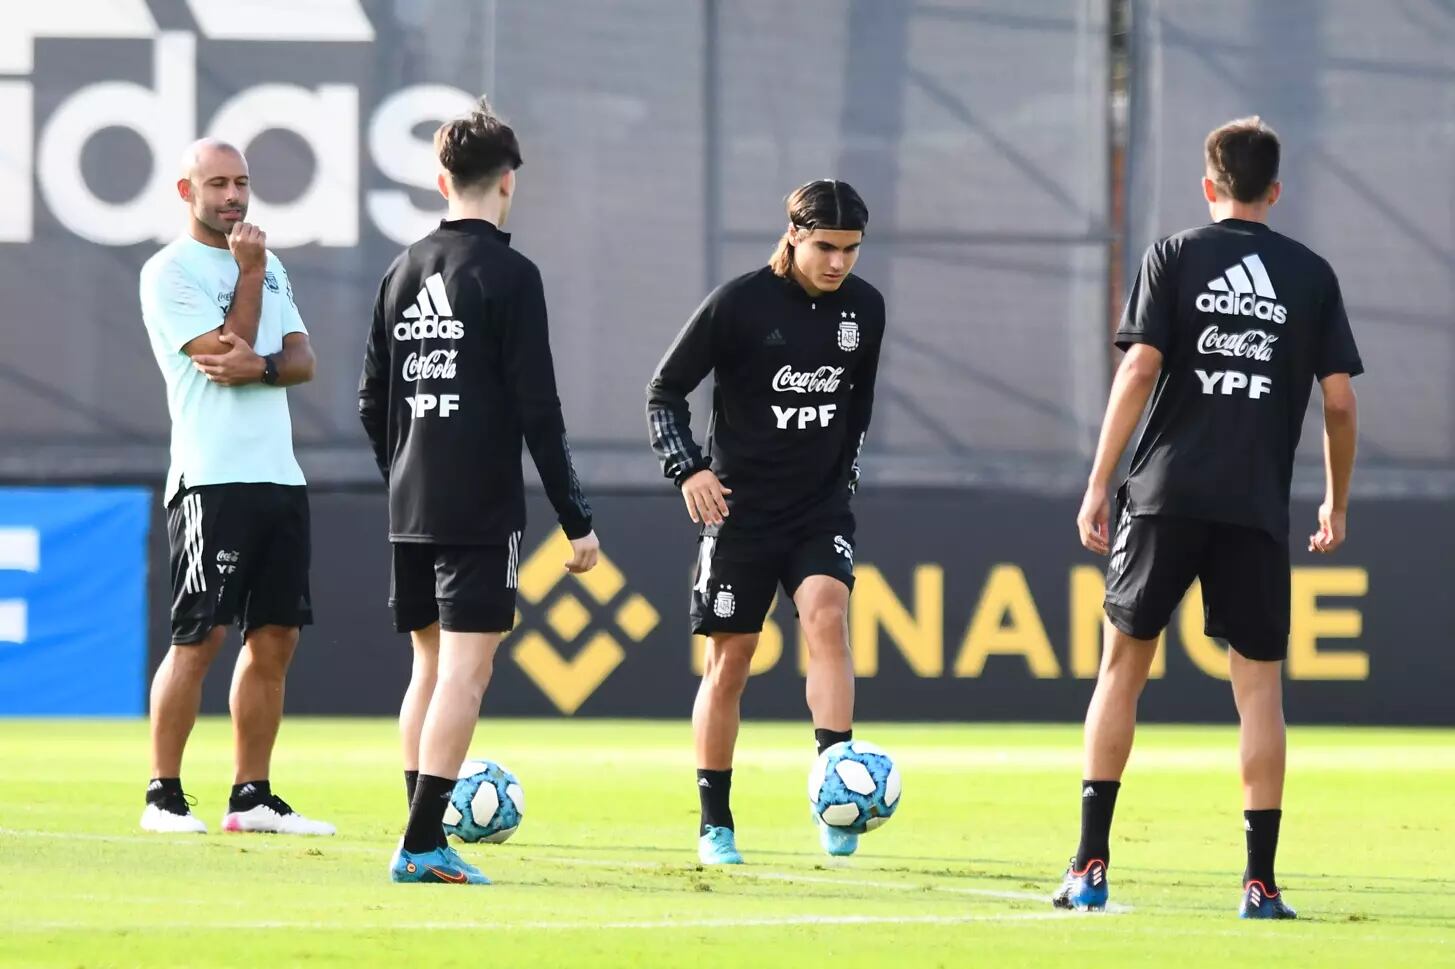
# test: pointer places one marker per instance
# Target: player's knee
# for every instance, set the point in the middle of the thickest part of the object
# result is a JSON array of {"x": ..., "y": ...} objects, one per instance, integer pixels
[
  {"x": 824, "y": 624},
  {"x": 270, "y": 650},
  {"x": 425, "y": 672},
  {"x": 465, "y": 686},
  {"x": 193, "y": 659},
  {"x": 728, "y": 663}
]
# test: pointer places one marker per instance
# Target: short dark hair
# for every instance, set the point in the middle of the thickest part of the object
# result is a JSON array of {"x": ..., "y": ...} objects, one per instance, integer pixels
[
  {"x": 825, "y": 203},
  {"x": 1242, "y": 158},
  {"x": 478, "y": 148}
]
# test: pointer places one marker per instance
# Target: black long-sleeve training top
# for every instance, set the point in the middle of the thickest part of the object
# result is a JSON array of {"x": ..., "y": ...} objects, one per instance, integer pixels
[
  {"x": 792, "y": 397},
  {"x": 457, "y": 372}
]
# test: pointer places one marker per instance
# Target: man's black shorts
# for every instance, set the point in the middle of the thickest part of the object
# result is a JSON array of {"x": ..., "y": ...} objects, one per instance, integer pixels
[
  {"x": 465, "y": 588},
  {"x": 239, "y": 554},
  {"x": 1244, "y": 574},
  {"x": 738, "y": 573}
]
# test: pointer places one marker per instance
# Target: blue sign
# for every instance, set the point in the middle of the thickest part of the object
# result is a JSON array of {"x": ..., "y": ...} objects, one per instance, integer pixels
[{"x": 73, "y": 580}]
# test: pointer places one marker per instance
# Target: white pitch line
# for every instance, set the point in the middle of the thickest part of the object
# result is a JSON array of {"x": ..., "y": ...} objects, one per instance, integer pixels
[
  {"x": 357, "y": 849},
  {"x": 902, "y": 886},
  {"x": 578, "y": 926},
  {"x": 1114, "y": 908},
  {"x": 265, "y": 844}
]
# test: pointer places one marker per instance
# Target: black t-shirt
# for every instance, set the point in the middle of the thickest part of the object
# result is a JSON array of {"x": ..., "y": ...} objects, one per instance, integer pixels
[
  {"x": 791, "y": 401},
  {"x": 457, "y": 372},
  {"x": 1246, "y": 320}
]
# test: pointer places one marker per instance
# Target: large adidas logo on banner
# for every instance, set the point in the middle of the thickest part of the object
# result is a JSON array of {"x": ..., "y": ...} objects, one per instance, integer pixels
[{"x": 1244, "y": 289}]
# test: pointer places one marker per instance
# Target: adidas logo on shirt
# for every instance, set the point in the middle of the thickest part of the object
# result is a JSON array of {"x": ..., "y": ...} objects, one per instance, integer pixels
[
  {"x": 429, "y": 317},
  {"x": 775, "y": 339},
  {"x": 1244, "y": 289}
]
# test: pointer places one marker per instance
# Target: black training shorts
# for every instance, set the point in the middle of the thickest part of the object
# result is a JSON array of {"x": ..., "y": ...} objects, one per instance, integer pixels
[
  {"x": 465, "y": 588},
  {"x": 1244, "y": 574},
  {"x": 239, "y": 554},
  {"x": 739, "y": 572}
]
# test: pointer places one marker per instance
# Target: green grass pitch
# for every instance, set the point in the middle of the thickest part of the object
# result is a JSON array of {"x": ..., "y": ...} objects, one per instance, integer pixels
[{"x": 603, "y": 872}]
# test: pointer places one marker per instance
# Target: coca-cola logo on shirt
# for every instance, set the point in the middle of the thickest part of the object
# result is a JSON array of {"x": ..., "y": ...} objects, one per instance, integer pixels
[
  {"x": 435, "y": 365},
  {"x": 824, "y": 380},
  {"x": 1247, "y": 345}
]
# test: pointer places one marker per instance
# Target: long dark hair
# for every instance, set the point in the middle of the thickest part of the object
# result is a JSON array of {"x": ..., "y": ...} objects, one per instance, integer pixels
[{"x": 824, "y": 203}]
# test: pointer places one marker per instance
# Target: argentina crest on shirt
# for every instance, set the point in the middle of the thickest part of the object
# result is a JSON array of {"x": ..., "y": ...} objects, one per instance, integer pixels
[{"x": 848, "y": 332}]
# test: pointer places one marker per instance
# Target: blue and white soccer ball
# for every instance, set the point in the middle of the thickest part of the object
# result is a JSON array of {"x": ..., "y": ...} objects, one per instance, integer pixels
[
  {"x": 855, "y": 786},
  {"x": 487, "y": 805}
]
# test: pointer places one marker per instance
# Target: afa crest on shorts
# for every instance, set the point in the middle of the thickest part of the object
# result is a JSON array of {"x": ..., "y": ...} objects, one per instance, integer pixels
[
  {"x": 848, "y": 332},
  {"x": 725, "y": 603}
]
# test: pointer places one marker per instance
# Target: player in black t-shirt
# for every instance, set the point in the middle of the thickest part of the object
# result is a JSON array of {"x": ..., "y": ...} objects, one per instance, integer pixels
[
  {"x": 457, "y": 377},
  {"x": 794, "y": 348},
  {"x": 1226, "y": 330}
]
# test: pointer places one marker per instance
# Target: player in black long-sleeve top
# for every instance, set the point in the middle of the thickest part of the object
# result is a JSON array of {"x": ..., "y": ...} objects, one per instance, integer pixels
[
  {"x": 794, "y": 350},
  {"x": 457, "y": 374}
]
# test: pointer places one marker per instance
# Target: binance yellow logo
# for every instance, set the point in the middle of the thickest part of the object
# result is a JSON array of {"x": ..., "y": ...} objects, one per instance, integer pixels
[{"x": 568, "y": 682}]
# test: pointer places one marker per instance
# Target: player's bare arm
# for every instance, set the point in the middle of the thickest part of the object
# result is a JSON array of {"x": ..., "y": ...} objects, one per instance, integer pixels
[
  {"x": 1130, "y": 389},
  {"x": 246, "y": 308},
  {"x": 1341, "y": 432},
  {"x": 240, "y": 365}
]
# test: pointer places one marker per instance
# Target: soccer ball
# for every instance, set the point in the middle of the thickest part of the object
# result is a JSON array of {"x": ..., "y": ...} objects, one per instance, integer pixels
[
  {"x": 854, "y": 786},
  {"x": 488, "y": 803}
]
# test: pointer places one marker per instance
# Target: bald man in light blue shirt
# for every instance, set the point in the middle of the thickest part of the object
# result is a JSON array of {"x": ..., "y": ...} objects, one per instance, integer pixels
[{"x": 226, "y": 333}]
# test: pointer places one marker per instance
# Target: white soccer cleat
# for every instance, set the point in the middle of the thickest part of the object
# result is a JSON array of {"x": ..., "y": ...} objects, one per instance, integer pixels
[
  {"x": 275, "y": 817},
  {"x": 163, "y": 821}
]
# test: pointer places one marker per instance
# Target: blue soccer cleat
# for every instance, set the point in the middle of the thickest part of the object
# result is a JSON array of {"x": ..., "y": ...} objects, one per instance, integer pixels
[
  {"x": 718, "y": 847},
  {"x": 837, "y": 841},
  {"x": 1085, "y": 890},
  {"x": 441, "y": 866},
  {"x": 1258, "y": 903}
]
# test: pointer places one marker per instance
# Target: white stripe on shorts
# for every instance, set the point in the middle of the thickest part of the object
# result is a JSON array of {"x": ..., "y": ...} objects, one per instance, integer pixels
[{"x": 704, "y": 563}]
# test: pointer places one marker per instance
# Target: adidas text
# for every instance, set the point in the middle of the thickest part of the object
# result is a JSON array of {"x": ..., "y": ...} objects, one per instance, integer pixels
[
  {"x": 1243, "y": 289},
  {"x": 347, "y": 123},
  {"x": 429, "y": 330},
  {"x": 1230, "y": 304}
]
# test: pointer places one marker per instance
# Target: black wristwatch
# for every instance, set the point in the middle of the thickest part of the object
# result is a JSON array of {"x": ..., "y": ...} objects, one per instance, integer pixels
[{"x": 270, "y": 371}]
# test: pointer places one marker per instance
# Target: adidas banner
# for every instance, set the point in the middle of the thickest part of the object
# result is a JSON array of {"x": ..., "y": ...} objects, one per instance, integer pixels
[{"x": 967, "y": 606}]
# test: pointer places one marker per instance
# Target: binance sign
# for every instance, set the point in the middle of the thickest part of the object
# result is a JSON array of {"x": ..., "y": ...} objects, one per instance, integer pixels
[
  {"x": 567, "y": 646},
  {"x": 1007, "y": 626},
  {"x": 970, "y": 606}
]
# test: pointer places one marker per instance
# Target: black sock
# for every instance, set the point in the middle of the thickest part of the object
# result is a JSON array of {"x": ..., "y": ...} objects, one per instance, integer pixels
[
  {"x": 714, "y": 788},
  {"x": 827, "y": 738},
  {"x": 1261, "y": 828},
  {"x": 426, "y": 830},
  {"x": 161, "y": 787},
  {"x": 248, "y": 795},
  {"x": 411, "y": 778},
  {"x": 1098, "y": 801}
]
